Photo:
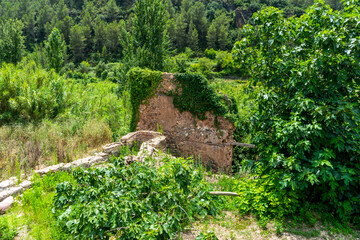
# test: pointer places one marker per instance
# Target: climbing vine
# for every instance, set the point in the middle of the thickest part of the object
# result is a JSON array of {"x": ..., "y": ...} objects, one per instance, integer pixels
[
  {"x": 142, "y": 82},
  {"x": 194, "y": 94}
]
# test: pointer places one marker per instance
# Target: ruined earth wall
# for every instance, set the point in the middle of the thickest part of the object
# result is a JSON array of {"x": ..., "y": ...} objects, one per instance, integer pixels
[{"x": 186, "y": 134}]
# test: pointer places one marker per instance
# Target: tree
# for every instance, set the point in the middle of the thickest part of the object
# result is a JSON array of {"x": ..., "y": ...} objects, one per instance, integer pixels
[
  {"x": 307, "y": 125},
  {"x": 112, "y": 43},
  {"x": 193, "y": 37},
  {"x": 150, "y": 41},
  {"x": 55, "y": 50},
  {"x": 77, "y": 42},
  {"x": 217, "y": 36},
  {"x": 112, "y": 11},
  {"x": 100, "y": 34},
  {"x": 180, "y": 32},
  {"x": 211, "y": 37},
  {"x": 11, "y": 41},
  {"x": 44, "y": 17},
  {"x": 29, "y": 29},
  {"x": 197, "y": 14}
]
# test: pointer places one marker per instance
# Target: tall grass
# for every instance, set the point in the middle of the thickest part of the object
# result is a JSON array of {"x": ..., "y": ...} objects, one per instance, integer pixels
[{"x": 47, "y": 119}]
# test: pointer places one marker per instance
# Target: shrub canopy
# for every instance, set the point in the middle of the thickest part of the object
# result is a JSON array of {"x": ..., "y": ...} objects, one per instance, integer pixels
[{"x": 307, "y": 127}]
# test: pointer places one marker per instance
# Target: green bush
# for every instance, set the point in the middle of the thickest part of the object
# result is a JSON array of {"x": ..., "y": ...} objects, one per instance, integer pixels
[
  {"x": 225, "y": 63},
  {"x": 6, "y": 232},
  {"x": 307, "y": 127},
  {"x": 133, "y": 202},
  {"x": 261, "y": 196},
  {"x": 29, "y": 93},
  {"x": 210, "y": 53},
  {"x": 179, "y": 63},
  {"x": 204, "y": 66}
]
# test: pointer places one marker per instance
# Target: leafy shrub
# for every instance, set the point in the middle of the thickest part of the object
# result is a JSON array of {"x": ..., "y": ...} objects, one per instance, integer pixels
[
  {"x": 101, "y": 103},
  {"x": 307, "y": 128},
  {"x": 6, "y": 232},
  {"x": 224, "y": 62},
  {"x": 210, "y": 53},
  {"x": 204, "y": 66},
  {"x": 132, "y": 202},
  {"x": 29, "y": 93},
  {"x": 261, "y": 196},
  {"x": 179, "y": 63}
]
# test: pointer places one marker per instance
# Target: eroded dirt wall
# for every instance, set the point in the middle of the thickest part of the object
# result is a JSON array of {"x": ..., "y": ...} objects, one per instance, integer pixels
[{"x": 187, "y": 135}]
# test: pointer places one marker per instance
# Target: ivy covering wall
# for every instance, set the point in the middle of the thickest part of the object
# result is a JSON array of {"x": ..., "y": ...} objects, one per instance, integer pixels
[{"x": 193, "y": 93}]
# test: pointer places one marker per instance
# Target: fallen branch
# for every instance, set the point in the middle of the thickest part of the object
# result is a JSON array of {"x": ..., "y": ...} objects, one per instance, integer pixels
[
  {"x": 243, "y": 144},
  {"x": 233, "y": 194}
]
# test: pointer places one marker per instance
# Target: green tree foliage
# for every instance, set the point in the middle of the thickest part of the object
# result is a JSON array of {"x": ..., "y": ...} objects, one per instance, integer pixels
[
  {"x": 100, "y": 34},
  {"x": 307, "y": 128},
  {"x": 55, "y": 50},
  {"x": 180, "y": 32},
  {"x": 139, "y": 201},
  {"x": 112, "y": 11},
  {"x": 217, "y": 36},
  {"x": 11, "y": 41},
  {"x": 112, "y": 34},
  {"x": 197, "y": 14},
  {"x": 149, "y": 36},
  {"x": 77, "y": 42},
  {"x": 30, "y": 94},
  {"x": 193, "y": 37}
]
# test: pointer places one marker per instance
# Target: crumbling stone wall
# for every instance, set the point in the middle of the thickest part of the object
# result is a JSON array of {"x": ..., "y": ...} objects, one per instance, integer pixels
[{"x": 187, "y": 135}]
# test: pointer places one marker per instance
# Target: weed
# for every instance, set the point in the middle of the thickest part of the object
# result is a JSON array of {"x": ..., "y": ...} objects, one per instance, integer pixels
[{"x": 6, "y": 232}]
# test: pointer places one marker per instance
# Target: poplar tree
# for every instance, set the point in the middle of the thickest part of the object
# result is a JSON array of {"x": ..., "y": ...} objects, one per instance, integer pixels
[
  {"x": 55, "y": 50},
  {"x": 149, "y": 33}
]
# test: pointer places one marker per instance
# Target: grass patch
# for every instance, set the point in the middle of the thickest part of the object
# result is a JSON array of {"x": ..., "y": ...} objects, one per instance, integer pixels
[{"x": 32, "y": 215}]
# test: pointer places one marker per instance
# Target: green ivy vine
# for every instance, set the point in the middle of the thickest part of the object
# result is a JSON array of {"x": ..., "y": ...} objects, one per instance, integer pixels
[
  {"x": 142, "y": 82},
  {"x": 194, "y": 94}
]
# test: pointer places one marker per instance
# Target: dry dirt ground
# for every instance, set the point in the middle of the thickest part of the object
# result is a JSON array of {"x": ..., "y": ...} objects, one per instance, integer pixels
[{"x": 231, "y": 226}]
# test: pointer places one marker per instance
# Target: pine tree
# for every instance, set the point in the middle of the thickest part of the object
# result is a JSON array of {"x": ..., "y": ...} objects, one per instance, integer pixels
[
  {"x": 211, "y": 36},
  {"x": 77, "y": 42},
  {"x": 180, "y": 32},
  {"x": 193, "y": 37},
  {"x": 55, "y": 50},
  {"x": 112, "y": 11},
  {"x": 100, "y": 34}
]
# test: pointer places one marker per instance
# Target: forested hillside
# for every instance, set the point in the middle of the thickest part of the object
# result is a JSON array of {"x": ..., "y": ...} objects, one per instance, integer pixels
[
  {"x": 91, "y": 29},
  {"x": 286, "y": 73}
]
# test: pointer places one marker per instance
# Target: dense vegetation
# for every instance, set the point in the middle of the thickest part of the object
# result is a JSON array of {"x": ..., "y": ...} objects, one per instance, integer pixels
[
  {"x": 307, "y": 124},
  {"x": 73, "y": 74},
  {"x": 91, "y": 29}
]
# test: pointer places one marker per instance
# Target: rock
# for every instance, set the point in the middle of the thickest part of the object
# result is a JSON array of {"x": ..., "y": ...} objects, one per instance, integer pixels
[
  {"x": 25, "y": 184},
  {"x": 149, "y": 148},
  {"x": 10, "y": 192},
  {"x": 6, "y": 204},
  {"x": 139, "y": 137},
  {"x": 8, "y": 183},
  {"x": 112, "y": 149},
  {"x": 186, "y": 135}
]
